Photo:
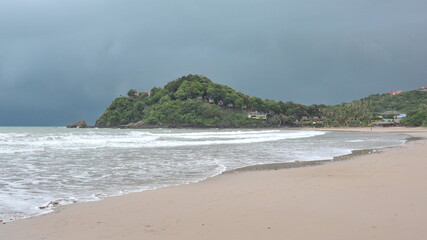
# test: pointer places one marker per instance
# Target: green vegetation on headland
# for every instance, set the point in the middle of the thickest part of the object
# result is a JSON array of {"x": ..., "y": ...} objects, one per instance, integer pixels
[
  {"x": 196, "y": 101},
  {"x": 381, "y": 109}
]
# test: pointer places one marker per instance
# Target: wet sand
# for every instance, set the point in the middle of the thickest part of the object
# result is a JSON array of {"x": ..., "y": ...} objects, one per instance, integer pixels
[{"x": 370, "y": 196}]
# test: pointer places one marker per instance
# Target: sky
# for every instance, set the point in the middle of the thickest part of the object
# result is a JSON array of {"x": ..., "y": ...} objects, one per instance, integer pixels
[{"x": 66, "y": 60}]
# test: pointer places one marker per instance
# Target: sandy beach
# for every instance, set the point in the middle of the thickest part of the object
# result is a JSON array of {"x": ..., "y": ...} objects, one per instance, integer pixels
[{"x": 381, "y": 195}]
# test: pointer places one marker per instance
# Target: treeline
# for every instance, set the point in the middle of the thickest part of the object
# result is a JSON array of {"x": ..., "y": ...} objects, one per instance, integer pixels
[
  {"x": 413, "y": 103},
  {"x": 196, "y": 101},
  {"x": 367, "y": 110},
  {"x": 403, "y": 102},
  {"x": 353, "y": 114},
  {"x": 416, "y": 118}
]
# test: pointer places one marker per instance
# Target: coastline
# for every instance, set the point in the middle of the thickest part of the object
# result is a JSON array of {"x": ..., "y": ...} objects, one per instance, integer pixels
[
  {"x": 353, "y": 154},
  {"x": 162, "y": 213},
  {"x": 300, "y": 164}
]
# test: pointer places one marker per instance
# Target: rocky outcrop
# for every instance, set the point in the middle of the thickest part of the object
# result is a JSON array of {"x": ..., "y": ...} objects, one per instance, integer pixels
[
  {"x": 78, "y": 124},
  {"x": 139, "y": 124},
  {"x": 100, "y": 123}
]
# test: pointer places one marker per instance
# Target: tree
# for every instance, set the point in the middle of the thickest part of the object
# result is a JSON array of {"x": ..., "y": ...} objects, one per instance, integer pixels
[
  {"x": 183, "y": 91},
  {"x": 256, "y": 103},
  {"x": 132, "y": 93},
  {"x": 273, "y": 106},
  {"x": 415, "y": 118},
  {"x": 215, "y": 92}
]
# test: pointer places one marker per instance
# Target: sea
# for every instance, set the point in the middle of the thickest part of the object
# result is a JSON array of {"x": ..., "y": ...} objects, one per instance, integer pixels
[{"x": 42, "y": 167}]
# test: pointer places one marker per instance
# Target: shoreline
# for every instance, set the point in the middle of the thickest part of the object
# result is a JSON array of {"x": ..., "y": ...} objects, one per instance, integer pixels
[
  {"x": 57, "y": 215},
  {"x": 352, "y": 155},
  {"x": 300, "y": 164},
  {"x": 54, "y": 207}
]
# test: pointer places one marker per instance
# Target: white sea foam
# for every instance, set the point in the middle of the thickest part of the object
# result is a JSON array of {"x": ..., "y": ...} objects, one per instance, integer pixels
[
  {"x": 44, "y": 165},
  {"x": 16, "y": 142}
]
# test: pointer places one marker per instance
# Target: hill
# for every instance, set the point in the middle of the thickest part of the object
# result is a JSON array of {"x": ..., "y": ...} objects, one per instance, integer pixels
[
  {"x": 196, "y": 101},
  {"x": 403, "y": 102},
  {"x": 374, "y": 107}
]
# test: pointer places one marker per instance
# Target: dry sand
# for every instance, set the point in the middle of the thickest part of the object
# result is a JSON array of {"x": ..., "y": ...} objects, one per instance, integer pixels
[{"x": 376, "y": 196}]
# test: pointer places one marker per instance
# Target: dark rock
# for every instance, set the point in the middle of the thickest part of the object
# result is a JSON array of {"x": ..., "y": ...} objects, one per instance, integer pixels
[
  {"x": 100, "y": 123},
  {"x": 51, "y": 204},
  {"x": 139, "y": 124},
  {"x": 78, "y": 124}
]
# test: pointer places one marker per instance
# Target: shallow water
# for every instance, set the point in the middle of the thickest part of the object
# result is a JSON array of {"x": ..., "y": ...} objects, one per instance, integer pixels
[{"x": 44, "y": 164}]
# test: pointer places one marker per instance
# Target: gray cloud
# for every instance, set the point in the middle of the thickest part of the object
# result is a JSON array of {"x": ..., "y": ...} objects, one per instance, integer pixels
[{"x": 61, "y": 61}]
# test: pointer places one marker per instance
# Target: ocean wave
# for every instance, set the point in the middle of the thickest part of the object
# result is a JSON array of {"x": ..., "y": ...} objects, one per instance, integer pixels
[
  {"x": 46, "y": 167},
  {"x": 17, "y": 142}
]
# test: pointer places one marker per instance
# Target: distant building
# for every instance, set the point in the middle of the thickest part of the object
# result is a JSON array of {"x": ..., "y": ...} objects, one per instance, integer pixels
[
  {"x": 230, "y": 105},
  {"x": 257, "y": 115},
  {"x": 145, "y": 94},
  {"x": 304, "y": 118},
  {"x": 211, "y": 100},
  {"x": 423, "y": 89},
  {"x": 395, "y": 92},
  {"x": 394, "y": 113},
  {"x": 220, "y": 103},
  {"x": 387, "y": 122},
  {"x": 200, "y": 97}
]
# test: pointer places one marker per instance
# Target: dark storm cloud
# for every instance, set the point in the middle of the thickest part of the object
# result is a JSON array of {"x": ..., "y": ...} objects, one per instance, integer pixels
[{"x": 61, "y": 61}]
